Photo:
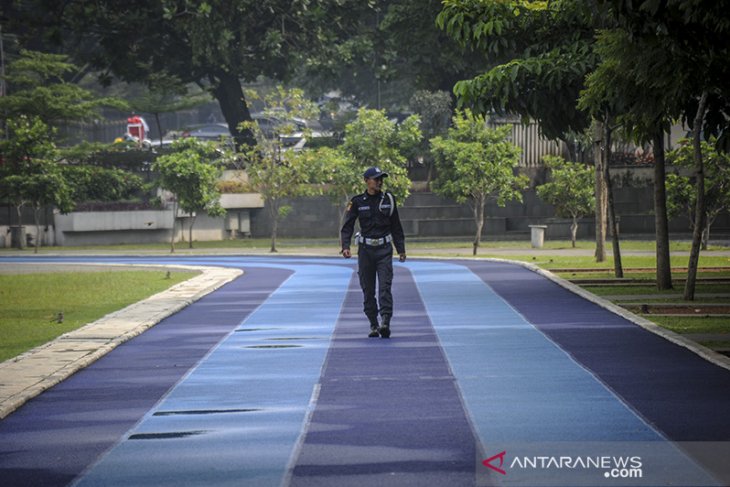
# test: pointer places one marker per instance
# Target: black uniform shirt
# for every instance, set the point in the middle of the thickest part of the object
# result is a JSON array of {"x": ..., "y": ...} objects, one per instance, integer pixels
[{"x": 376, "y": 219}]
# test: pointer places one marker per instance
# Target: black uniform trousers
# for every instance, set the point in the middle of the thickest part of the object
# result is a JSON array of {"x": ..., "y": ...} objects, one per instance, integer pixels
[{"x": 372, "y": 262}]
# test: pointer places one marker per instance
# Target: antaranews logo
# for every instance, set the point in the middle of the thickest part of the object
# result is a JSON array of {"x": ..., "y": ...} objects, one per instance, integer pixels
[
  {"x": 612, "y": 467},
  {"x": 498, "y": 456}
]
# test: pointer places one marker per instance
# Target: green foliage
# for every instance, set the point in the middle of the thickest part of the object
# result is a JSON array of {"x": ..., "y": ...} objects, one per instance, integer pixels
[
  {"x": 191, "y": 174},
  {"x": 284, "y": 107},
  {"x": 570, "y": 189},
  {"x": 631, "y": 83},
  {"x": 274, "y": 172},
  {"x": 29, "y": 173},
  {"x": 668, "y": 53},
  {"x": 124, "y": 155},
  {"x": 681, "y": 193},
  {"x": 167, "y": 94},
  {"x": 26, "y": 142},
  {"x": 37, "y": 87},
  {"x": 373, "y": 140},
  {"x": 476, "y": 162},
  {"x": 93, "y": 183},
  {"x": 279, "y": 180},
  {"x": 540, "y": 53},
  {"x": 381, "y": 52},
  {"x": 49, "y": 188},
  {"x": 434, "y": 109},
  {"x": 336, "y": 174}
]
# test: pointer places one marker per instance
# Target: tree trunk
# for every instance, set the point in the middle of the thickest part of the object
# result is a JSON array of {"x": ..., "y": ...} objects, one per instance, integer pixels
[
  {"x": 600, "y": 191},
  {"x": 227, "y": 90},
  {"x": 573, "y": 231},
  {"x": 37, "y": 219},
  {"x": 479, "y": 204},
  {"x": 706, "y": 236},
  {"x": 190, "y": 230},
  {"x": 274, "y": 209},
  {"x": 700, "y": 208},
  {"x": 274, "y": 231},
  {"x": 159, "y": 126},
  {"x": 617, "y": 266},
  {"x": 661, "y": 221},
  {"x": 20, "y": 240},
  {"x": 172, "y": 237}
]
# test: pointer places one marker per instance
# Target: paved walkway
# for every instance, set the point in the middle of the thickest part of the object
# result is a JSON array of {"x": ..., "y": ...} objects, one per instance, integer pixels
[{"x": 496, "y": 374}]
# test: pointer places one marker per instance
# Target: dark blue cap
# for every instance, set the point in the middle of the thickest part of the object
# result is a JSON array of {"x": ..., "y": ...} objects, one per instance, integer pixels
[{"x": 375, "y": 173}]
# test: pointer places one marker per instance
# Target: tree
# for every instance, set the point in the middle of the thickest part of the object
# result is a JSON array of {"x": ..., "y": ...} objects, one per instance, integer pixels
[
  {"x": 434, "y": 109},
  {"x": 373, "y": 140},
  {"x": 384, "y": 50},
  {"x": 274, "y": 171},
  {"x": 695, "y": 34},
  {"x": 338, "y": 177},
  {"x": 539, "y": 55},
  {"x": 625, "y": 84},
  {"x": 476, "y": 163},
  {"x": 47, "y": 188},
  {"x": 166, "y": 95},
  {"x": 29, "y": 174},
  {"x": 191, "y": 174},
  {"x": 570, "y": 190},
  {"x": 216, "y": 44},
  {"x": 681, "y": 196},
  {"x": 36, "y": 86}
]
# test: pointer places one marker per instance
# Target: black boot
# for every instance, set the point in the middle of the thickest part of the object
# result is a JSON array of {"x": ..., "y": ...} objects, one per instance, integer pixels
[
  {"x": 385, "y": 327},
  {"x": 374, "y": 328}
]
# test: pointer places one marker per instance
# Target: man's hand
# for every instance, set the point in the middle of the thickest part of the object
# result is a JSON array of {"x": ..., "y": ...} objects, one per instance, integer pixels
[
  {"x": 346, "y": 253},
  {"x": 402, "y": 257}
]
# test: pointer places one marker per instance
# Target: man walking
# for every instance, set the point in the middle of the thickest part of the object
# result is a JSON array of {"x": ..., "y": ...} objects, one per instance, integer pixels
[{"x": 380, "y": 229}]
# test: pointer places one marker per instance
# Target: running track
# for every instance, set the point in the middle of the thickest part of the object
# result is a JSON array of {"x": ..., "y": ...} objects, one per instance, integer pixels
[{"x": 271, "y": 380}]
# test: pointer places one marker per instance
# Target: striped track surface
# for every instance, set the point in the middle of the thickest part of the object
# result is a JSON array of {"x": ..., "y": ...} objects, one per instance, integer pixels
[{"x": 271, "y": 380}]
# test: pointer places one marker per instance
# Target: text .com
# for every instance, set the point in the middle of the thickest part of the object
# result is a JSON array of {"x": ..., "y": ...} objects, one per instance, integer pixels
[{"x": 612, "y": 467}]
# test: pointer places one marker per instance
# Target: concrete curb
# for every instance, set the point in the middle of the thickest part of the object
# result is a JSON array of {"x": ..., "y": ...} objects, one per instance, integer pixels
[
  {"x": 26, "y": 376},
  {"x": 704, "y": 352}
]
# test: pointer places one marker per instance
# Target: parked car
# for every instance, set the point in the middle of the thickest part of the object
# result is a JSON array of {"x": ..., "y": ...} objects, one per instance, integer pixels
[{"x": 209, "y": 131}]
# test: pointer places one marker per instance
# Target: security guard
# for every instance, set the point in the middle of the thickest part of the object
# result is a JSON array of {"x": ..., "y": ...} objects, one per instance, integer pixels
[{"x": 380, "y": 229}]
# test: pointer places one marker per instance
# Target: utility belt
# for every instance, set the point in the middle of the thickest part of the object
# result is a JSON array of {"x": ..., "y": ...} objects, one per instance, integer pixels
[{"x": 374, "y": 242}]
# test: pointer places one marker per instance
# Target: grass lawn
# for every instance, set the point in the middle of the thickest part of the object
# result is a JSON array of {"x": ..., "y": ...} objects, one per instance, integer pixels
[
  {"x": 30, "y": 303},
  {"x": 693, "y": 324},
  {"x": 618, "y": 290}
]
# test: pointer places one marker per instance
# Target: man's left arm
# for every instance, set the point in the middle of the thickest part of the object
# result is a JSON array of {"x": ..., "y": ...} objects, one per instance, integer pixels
[{"x": 396, "y": 229}]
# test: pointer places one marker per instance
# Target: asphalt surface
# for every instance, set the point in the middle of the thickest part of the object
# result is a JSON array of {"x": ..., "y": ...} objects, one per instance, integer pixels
[{"x": 495, "y": 375}]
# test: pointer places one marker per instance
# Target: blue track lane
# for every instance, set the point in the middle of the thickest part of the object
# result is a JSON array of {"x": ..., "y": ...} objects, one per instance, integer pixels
[
  {"x": 237, "y": 415},
  {"x": 271, "y": 380},
  {"x": 526, "y": 394}
]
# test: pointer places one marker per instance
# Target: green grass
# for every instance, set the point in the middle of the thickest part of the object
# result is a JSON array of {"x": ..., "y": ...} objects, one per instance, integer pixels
[
  {"x": 693, "y": 324},
  {"x": 717, "y": 345},
  {"x": 631, "y": 290},
  {"x": 30, "y": 303},
  {"x": 415, "y": 245}
]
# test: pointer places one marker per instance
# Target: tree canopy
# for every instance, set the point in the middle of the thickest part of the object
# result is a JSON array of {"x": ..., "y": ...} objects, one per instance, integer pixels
[
  {"x": 570, "y": 190},
  {"x": 373, "y": 140},
  {"x": 539, "y": 53},
  {"x": 191, "y": 174},
  {"x": 476, "y": 163}
]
